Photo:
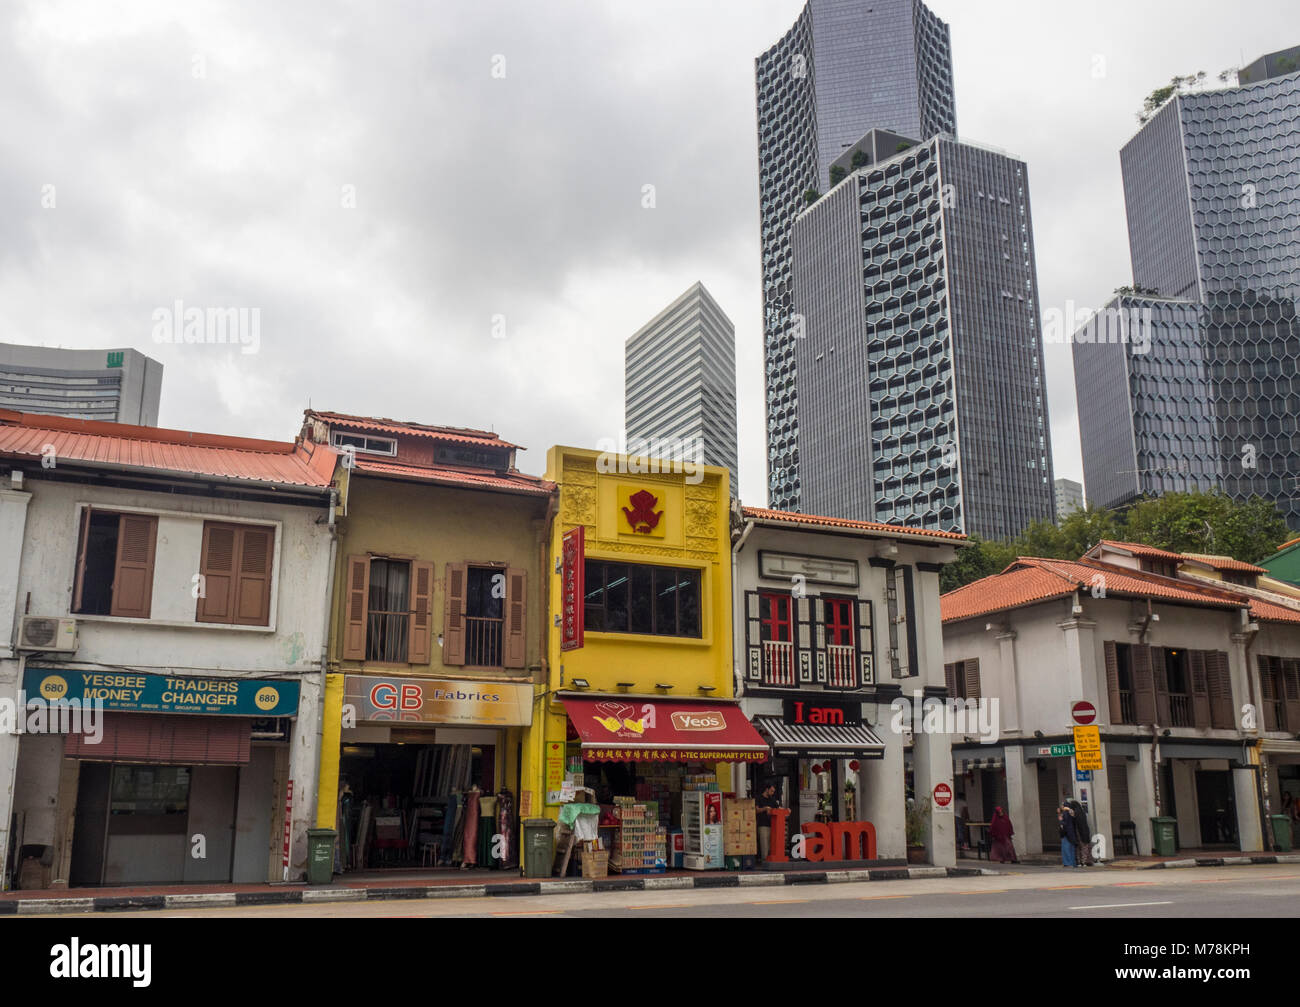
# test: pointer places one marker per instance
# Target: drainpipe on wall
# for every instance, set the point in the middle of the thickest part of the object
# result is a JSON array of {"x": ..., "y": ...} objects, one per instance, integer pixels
[
  {"x": 1245, "y": 640},
  {"x": 324, "y": 654}
]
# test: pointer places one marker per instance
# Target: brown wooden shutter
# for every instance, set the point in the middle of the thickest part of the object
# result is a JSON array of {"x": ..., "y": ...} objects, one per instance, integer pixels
[
  {"x": 1291, "y": 692},
  {"x": 1144, "y": 689},
  {"x": 1267, "y": 694},
  {"x": 1220, "y": 682},
  {"x": 1112, "y": 683},
  {"x": 253, "y": 586},
  {"x": 83, "y": 533},
  {"x": 753, "y": 637},
  {"x": 217, "y": 567},
  {"x": 137, "y": 535},
  {"x": 972, "y": 674},
  {"x": 420, "y": 646},
  {"x": 950, "y": 678},
  {"x": 1200, "y": 688},
  {"x": 516, "y": 617},
  {"x": 356, "y": 597},
  {"x": 1160, "y": 672},
  {"x": 453, "y": 614}
]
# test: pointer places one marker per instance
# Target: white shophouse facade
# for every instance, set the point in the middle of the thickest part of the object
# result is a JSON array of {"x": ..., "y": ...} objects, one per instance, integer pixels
[
  {"x": 189, "y": 575},
  {"x": 843, "y": 616},
  {"x": 1171, "y": 668}
]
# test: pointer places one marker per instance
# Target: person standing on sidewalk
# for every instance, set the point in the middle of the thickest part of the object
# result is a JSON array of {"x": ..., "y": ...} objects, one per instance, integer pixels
[
  {"x": 1083, "y": 847},
  {"x": 1069, "y": 835},
  {"x": 1001, "y": 831},
  {"x": 767, "y": 800}
]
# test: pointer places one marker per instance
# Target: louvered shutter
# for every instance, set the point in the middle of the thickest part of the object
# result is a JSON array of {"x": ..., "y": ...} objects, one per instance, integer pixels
[
  {"x": 1112, "y": 684},
  {"x": 1200, "y": 689},
  {"x": 972, "y": 675},
  {"x": 1160, "y": 673},
  {"x": 819, "y": 638},
  {"x": 133, "y": 576},
  {"x": 1291, "y": 694},
  {"x": 420, "y": 645},
  {"x": 356, "y": 601},
  {"x": 83, "y": 534},
  {"x": 253, "y": 577},
  {"x": 950, "y": 678},
  {"x": 217, "y": 567},
  {"x": 516, "y": 618},
  {"x": 1220, "y": 682},
  {"x": 865, "y": 643},
  {"x": 801, "y": 613},
  {"x": 1144, "y": 689},
  {"x": 753, "y": 637},
  {"x": 1267, "y": 691},
  {"x": 453, "y": 614}
]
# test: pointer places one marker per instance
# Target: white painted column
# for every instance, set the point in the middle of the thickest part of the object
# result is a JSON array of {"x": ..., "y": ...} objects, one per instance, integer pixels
[
  {"x": 13, "y": 526},
  {"x": 932, "y": 765},
  {"x": 1008, "y": 695},
  {"x": 882, "y": 794},
  {"x": 1141, "y": 796},
  {"x": 304, "y": 770},
  {"x": 1246, "y": 795},
  {"x": 1022, "y": 786}
]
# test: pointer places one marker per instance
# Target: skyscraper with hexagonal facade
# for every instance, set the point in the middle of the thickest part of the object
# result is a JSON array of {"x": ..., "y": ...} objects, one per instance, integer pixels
[
  {"x": 1214, "y": 235},
  {"x": 846, "y": 66},
  {"x": 921, "y": 393}
]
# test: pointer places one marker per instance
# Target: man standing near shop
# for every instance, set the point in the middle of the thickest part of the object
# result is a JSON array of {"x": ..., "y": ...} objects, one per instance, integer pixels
[{"x": 767, "y": 800}]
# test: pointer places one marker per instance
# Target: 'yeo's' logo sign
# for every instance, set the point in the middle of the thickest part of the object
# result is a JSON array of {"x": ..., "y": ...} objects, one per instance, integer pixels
[{"x": 711, "y": 720}]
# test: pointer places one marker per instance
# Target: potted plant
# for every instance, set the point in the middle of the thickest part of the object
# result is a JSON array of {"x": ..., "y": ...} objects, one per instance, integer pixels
[{"x": 918, "y": 816}]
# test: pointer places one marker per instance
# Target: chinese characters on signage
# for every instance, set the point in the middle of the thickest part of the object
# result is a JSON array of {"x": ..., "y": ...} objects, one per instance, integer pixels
[{"x": 572, "y": 588}]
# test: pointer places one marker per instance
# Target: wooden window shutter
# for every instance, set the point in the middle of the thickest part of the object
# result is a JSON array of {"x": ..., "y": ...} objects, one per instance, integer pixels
[
  {"x": 865, "y": 639},
  {"x": 420, "y": 645},
  {"x": 1161, "y": 675},
  {"x": 1220, "y": 682},
  {"x": 217, "y": 567},
  {"x": 1291, "y": 692},
  {"x": 1144, "y": 688},
  {"x": 137, "y": 535},
  {"x": 516, "y": 617},
  {"x": 83, "y": 533},
  {"x": 950, "y": 678},
  {"x": 972, "y": 672},
  {"x": 819, "y": 639},
  {"x": 753, "y": 637},
  {"x": 1267, "y": 691},
  {"x": 356, "y": 601},
  {"x": 1112, "y": 683},
  {"x": 801, "y": 618},
  {"x": 453, "y": 614},
  {"x": 1200, "y": 688},
  {"x": 253, "y": 576}
]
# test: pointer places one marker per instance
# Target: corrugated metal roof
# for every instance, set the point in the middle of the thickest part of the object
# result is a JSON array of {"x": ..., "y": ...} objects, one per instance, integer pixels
[
  {"x": 820, "y": 521},
  {"x": 459, "y": 435},
  {"x": 154, "y": 449}
]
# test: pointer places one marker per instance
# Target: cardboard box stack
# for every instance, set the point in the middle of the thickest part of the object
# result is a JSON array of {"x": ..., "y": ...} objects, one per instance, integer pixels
[{"x": 740, "y": 826}]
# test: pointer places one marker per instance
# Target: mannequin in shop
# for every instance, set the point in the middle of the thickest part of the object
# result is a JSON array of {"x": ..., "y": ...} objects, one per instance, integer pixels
[{"x": 470, "y": 855}]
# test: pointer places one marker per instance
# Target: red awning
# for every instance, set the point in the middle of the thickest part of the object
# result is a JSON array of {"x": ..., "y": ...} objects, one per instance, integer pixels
[{"x": 634, "y": 729}]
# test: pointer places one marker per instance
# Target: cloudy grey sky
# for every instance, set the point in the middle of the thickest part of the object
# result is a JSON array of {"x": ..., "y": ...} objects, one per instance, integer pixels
[{"x": 359, "y": 173}]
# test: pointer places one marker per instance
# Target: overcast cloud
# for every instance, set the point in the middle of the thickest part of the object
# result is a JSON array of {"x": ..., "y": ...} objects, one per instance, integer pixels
[{"x": 208, "y": 153}]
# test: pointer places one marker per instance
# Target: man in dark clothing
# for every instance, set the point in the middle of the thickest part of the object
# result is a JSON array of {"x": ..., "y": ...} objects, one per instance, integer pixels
[
  {"x": 1083, "y": 852},
  {"x": 763, "y": 805}
]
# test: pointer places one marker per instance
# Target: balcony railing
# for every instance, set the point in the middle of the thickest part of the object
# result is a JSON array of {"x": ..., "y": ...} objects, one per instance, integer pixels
[
  {"x": 1127, "y": 712},
  {"x": 1180, "y": 709},
  {"x": 483, "y": 642},
  {"x": 842, "y": 670},
  {"x": 386, "y": 636},
  {"x": 778, "y": 662}
]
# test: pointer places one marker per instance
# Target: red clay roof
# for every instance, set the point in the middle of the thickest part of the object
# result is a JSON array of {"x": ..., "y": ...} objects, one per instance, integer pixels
[
  {"x": 1268, "y": 611},
  {"x": 99, "y": 444},
  {"x": 1137, "y": 549},
  {"x": 460, "y": 435},
  {"x": 1030, "y": 580},
  {"x": 1223, "y": 563},
  {"x": 510, "y": 482},
  {"x": 817, "y": 520}
]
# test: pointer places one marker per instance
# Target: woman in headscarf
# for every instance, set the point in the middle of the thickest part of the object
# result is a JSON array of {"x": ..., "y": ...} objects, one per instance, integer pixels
[
  {"x": 1069, "y": 835},
  {"x": 1000, "y": 831},
  {"x": 1083, "y": 844}
]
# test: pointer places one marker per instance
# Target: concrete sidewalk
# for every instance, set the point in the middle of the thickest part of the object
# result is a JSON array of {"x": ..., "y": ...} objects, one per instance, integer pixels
[{"x": 94, "y": 900}]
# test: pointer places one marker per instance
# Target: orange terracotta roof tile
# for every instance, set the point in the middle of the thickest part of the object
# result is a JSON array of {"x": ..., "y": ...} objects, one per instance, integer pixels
[
  {"x": 99, "y": 444},
  {"x": 817, "y": 520},
  {"x": 459, "y": 435},
  {"x": 1137, "y": 549},
  {"x": 1267, "y": 611},
  {"x": 511, "y": 482},
  {"x": 1223, "y": 563},
  {"x": 1030, "y": 580}
]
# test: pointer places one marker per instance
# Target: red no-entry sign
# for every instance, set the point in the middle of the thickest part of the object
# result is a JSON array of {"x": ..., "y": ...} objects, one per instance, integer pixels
[
  {"x": 942, "y": 795},
  {"x": 1083, "y": 712}
]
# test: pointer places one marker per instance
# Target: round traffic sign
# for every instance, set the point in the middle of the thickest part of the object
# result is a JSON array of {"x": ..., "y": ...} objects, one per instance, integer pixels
[
  {"x": 942, "y": 795},
  {"x": 1083, "y": 712}
]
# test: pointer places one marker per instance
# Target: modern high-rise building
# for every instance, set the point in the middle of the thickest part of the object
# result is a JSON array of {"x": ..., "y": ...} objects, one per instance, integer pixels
[
  {"x": 1069, "y": 497},
  {"x": 1204, "y": 392},
  {"x": 843, "y": 68},
  {"x": 681, "y": 383},
  {"x": 119, "y": 386},
  {"x": 921, "y": 395}
]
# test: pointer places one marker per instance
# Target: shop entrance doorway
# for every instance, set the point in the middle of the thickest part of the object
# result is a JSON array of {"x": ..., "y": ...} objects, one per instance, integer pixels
[{"x": 1216, "y": 808}]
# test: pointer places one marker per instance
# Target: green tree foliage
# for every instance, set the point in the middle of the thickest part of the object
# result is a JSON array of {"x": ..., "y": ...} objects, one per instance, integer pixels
[
  {"x": 811, "y": 196},
  {"x": 1151, "y": 104},
  {"x": 1179, "y": 522},
  {"x": 837, "y": 174},
  {"x": 859, "y": 158}
]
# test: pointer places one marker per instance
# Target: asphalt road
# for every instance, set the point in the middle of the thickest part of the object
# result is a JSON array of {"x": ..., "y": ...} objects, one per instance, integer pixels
[{"x": 1256, "y": 891}]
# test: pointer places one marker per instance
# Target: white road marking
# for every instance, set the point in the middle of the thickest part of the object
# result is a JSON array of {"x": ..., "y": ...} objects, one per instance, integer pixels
[{"x": 1122, "y": 905}]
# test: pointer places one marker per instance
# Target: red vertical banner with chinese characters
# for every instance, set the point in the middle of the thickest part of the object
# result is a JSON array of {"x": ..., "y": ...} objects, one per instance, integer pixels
[{"x": 572, "y": 589}]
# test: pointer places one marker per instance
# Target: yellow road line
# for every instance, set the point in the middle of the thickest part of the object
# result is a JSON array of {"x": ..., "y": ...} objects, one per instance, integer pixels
[
  {"x": 776, "y": 902},
  {"x": 664, "y": 905},
  {"x": 1061, "y": 888},
  {"x": 877, "y": 898},
  {"x": 533, "y": 912}
]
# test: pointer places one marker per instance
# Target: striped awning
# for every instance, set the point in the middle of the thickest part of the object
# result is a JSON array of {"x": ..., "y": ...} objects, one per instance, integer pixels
[
  {"x": 991, "y": 762},
  {"x": 818, "y": 740}
]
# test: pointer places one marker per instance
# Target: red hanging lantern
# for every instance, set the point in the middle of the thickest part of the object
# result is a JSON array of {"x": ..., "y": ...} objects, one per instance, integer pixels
[{"x": 854, "y": 765}]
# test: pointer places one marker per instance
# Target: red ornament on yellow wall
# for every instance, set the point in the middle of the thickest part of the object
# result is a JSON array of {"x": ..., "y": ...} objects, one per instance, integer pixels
[{"x": 641, "y": 515}]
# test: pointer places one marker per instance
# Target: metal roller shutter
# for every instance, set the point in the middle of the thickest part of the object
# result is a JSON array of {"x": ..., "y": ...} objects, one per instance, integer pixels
[{"x": 166, "y": 740}]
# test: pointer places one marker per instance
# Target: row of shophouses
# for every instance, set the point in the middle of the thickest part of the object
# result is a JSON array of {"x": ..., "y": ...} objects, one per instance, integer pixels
[{"x": 377, "y": 618}]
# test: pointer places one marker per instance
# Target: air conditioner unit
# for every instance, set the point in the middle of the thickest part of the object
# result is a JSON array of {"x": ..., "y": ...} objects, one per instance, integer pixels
[{"x": 42, "y": 633}]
